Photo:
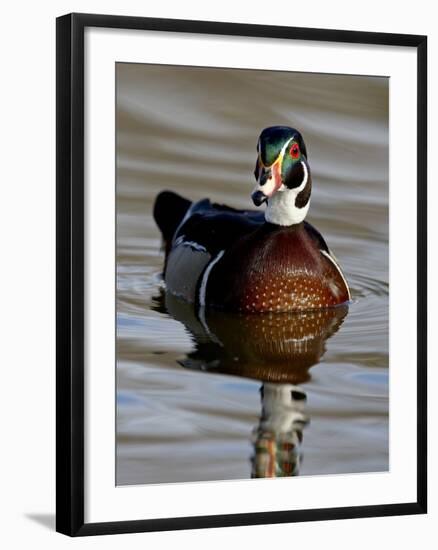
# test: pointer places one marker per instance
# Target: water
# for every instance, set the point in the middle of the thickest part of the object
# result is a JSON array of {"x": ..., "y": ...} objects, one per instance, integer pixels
[{"x": 253, "y": 396}]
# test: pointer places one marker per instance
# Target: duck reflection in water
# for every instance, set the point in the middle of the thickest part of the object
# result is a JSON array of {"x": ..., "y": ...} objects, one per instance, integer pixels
[
  {"x": 277, "y": 439},
  {"x": 276, "y": 348}
]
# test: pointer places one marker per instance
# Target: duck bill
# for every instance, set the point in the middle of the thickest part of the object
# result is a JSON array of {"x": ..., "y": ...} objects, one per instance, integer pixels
[
  {"x": 269, "y": 183},
  {"x": 258, "y": 197}
]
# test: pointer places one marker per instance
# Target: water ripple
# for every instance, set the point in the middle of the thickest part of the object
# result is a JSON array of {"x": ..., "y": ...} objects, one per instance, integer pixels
[{"x": 179, "y": 417}]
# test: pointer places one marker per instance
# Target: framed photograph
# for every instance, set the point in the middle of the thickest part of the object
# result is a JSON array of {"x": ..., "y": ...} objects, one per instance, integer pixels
[{"x": 241, "y": 274}]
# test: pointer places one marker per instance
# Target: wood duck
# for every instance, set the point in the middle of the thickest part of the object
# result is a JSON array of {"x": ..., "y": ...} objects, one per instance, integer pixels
[{"x": 250, "y": 261}]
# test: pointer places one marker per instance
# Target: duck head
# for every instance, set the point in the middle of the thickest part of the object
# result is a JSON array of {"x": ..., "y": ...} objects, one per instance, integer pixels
[{"x": 283, "y": 176}]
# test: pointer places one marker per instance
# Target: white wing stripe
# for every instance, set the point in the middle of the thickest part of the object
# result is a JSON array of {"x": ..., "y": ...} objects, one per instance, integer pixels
[
  {"x": 335, "y": 263},
  {"x": 203, "y": 288}
]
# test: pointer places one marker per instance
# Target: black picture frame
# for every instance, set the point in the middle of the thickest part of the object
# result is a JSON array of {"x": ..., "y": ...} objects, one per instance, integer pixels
[{"x": 70, "y": 273}]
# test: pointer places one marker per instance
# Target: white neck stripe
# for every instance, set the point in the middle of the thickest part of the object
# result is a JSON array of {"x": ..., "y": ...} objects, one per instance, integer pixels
[
  {"x": 306, "y": 175},
  {"x": 282, "y": 210}
]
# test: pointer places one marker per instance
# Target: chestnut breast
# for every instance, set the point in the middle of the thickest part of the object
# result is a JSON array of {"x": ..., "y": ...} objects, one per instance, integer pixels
[{"x": 276, "y": 269}]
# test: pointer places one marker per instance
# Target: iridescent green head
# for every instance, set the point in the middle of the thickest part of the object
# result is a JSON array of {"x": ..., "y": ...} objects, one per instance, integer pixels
[{"x": 282, "y": 168}]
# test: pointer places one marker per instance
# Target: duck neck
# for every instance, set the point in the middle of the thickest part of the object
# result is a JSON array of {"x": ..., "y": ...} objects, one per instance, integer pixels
[{"x": 289, "y": 206}]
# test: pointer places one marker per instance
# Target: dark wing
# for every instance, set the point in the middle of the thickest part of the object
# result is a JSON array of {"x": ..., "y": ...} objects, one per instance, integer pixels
[
  {"x": 208, "y": 224},
  {"x": 194, "y": 233},
  {"x": 216, "y": 227}
]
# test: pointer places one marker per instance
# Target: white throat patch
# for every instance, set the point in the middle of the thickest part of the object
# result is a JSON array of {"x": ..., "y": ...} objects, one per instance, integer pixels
[{"x": 281, "y": 209}]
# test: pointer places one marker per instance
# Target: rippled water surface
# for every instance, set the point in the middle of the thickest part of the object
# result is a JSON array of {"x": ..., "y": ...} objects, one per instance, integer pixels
[{"x": 263, "y": 395}]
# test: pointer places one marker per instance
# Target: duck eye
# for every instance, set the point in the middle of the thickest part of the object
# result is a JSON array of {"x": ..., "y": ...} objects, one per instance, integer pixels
[{"x": 294, "y": 151}]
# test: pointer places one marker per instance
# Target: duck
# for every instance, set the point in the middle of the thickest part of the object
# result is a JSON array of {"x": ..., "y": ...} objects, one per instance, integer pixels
[{"x": 253, "y": 261}]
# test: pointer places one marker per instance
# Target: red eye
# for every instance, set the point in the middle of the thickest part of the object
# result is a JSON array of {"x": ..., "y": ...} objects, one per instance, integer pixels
[{"x": 294, "y": 151}]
